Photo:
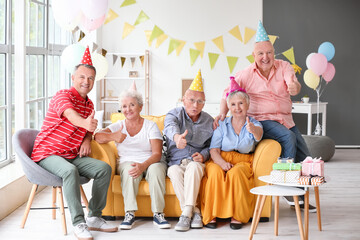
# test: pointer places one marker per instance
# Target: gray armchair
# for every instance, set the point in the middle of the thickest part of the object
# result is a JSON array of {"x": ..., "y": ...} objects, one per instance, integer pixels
[{"x": 23, "y": 143}]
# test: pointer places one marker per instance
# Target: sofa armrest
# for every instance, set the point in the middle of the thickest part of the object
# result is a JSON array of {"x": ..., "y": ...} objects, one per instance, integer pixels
[
  {"x": 266, "y": 153},
  {"x": 105, "y": 152}
]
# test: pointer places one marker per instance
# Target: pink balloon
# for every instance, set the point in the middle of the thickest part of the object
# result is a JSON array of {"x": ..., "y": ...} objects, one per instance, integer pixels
[
  {"x": 94, "y": 9},
  {"x": 92, "y": 24},
  {"x": 318, "y": 63},
  {"x": 329, "y": 73}
]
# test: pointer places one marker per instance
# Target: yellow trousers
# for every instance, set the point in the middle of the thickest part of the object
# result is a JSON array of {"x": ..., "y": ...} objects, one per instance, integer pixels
[{"x": 227, "y": 194}]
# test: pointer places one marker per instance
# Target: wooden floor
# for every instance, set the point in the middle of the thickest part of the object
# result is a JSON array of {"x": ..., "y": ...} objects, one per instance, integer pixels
[{"x": 340, "y": 208}]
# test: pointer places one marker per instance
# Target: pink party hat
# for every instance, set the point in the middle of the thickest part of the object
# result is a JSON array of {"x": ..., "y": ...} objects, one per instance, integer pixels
[
  {"x": 87, "y": 57},
  {"x": 234, "y": 87},
  {"x": 133, "y": 86}
]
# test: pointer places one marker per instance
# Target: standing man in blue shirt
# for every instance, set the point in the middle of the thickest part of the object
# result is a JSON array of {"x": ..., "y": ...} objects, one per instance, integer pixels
[{"x": 188, "y": 133}]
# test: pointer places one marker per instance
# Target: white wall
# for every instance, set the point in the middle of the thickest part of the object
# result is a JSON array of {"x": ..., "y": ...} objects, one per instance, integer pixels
[{"x": 191, "y": 21}]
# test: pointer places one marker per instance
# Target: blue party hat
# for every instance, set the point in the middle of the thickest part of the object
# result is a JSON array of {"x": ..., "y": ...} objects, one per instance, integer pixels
[{"x": 261, "y": 35}]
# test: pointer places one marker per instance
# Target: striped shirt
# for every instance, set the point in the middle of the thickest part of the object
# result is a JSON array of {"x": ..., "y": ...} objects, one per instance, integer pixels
[{"x": 58, "y": 136}]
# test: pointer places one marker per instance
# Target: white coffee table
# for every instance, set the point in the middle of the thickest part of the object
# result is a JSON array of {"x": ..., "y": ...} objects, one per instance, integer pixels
[
  {"x": 267, "y": 179},
  {"x": 276, "y": 191}
]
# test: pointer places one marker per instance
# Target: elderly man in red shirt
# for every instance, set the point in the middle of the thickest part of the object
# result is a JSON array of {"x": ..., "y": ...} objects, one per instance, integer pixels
[
  {"x": 269, "y": 84},
  {"x": 63, "y": 144}
]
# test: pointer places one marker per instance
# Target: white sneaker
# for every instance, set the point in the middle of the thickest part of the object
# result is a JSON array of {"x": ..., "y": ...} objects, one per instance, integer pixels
[
  {"x": 81, "y": 231},
  {"x": 196, "y": 221},
  {"x": 99, "y": 224}
]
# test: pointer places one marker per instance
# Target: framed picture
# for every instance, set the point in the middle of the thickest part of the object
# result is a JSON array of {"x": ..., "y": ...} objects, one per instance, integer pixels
[{"x": 133, "y": 74}]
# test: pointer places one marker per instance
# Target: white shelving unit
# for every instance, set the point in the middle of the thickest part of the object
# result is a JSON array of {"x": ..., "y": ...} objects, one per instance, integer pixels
[{"x": 118, "y": 79}]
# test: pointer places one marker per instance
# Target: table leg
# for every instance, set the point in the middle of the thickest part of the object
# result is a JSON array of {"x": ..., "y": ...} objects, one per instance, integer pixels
[
  {"x": 306, "y": 214},
  {"x": 255, "y": 216},
  {"x": 317, "y": 198},
  {"x": 276, "y": 216},
  {"x": 298, "y": 216},
  {"x": 262, "y": 203},
  {"x": 309, "y": 123}
]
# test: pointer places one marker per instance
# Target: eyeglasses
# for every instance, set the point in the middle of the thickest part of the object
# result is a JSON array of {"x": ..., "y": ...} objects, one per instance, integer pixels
[{"x": 199, "y": 101}]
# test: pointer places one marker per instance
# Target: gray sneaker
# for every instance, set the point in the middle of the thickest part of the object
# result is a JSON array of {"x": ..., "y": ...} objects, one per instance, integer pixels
[
  {"x": 183, "y": 225},
  {"x": 196, "y": 221}
]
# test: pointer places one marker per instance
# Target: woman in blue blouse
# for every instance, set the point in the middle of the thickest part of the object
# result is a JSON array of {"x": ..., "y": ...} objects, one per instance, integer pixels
[{"x": 229, "y": 175}]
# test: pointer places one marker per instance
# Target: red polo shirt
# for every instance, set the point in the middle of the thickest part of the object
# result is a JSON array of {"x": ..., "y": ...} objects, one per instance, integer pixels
[{"x": 58, "y": 136}]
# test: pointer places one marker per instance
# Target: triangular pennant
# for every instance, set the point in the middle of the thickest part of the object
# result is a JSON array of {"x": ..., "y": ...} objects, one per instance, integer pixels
[
  {"x": 147, "y": 35},
  {"x": 273, "y": 38},
  {"x": 289, "y": 54},
  {"x": 236, "y": 33},
  {"x": 103, "y": 52},
  {"x": 142, "y": 57},
  {"x": 128, "y": 28},
  {"x": 200, "y": 46},
  {"x": 123, "y": 59},
  {"x": 75, "y": 30},
  {"x": 231, "y": 62},
  {"x": 160, "y": 40},
  {"x": 219, "y": 43},
  {"x": 115, "y": 58},
  {"x": 194, "y": 54},
  {"x": 213, "y": 57},
  {"x": 250, "y": 58},
  {"x": 111, "y": 15},
  {"x": 180, "y": 47},
  {"x": 82, "y": 35},
  {"x": 132, "y": 61},
  {"x": 173, "y": 45},
  {"x": 141, "y": 18},
  {"x": 249, "y": 33},
  {"x": 127, "y": 3},
  {"x": 156, "y": 32},
  {"x": 95, "y": 46}
]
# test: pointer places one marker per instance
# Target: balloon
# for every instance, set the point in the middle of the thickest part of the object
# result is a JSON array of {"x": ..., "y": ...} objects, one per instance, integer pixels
[
  {"x": 329, "y": 73},
  {"x": 318, "y": 63},
  {"x": 308, "y": 59},
  {"x": 101, "y": 65},
  {"x": 328, "y": 49},
  {"x": 311, "y": 79},
  {"x": 71, "y": 56},
  {"x": 91, "y": 24},
  {"x": 94, "y": 9},
  {"x": 66, "y": 13}
]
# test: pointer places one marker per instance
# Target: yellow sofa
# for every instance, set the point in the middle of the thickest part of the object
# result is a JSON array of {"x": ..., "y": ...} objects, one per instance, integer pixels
[{"x": 266, "y": 153}]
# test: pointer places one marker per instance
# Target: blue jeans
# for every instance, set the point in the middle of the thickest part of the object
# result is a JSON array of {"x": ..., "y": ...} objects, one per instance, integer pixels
[{"x": 292, "y": 143}]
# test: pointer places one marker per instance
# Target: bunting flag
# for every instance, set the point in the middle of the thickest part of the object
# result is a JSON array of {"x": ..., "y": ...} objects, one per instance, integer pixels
[
  {"x": 236, "y": 33},
  {"x": 103, "y": 52},
  {"x": 297, "y": 69},
  {"x": 289, "y": 54},
  {"x": 194, "y": 54},
  {"x": 75, "y": 30},
  {"x": 231, "y": 62},
  {"x": 123, "y": 59},
  {"x": 132, "y": 61},
  {"x": 128, "y": 28},
  {"x": 213, "y": 57},
  {"x": 82, "y": 35},
  {"x": 161, "y": 39},
  {"x": 127, "y": 3},
  {"x": 111, "y": 15},
  {"x": 180, "y": 47},
  {"x": 250, "y": 58},
  {"x": 173, "y": 45},
  {"x": 200, "y": 46},
  {"x": 95, "y": 46},
  {"x": 142, "y": 57},
  {"x": 249, "y": 33},
  {"x": 156, "y": 32},
  {"x": 147, "y": 35},
  {"x": 115, "y": 58},
  {"x": 219, "y": 43},
  {"x": 273, "y": 38},
  {"x": 141, "y": 18}
]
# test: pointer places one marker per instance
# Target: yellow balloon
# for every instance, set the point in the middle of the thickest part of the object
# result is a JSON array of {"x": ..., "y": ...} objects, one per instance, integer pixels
[
  {"x": 311, "y": 79},
  {"x": 101, "y": 65}
]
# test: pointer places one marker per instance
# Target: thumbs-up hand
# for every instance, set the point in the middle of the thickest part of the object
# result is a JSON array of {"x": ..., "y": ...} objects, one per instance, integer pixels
[
  {"x": 119, "y": 137},
  {"x": 293, "y": 87},
  {"x": 180, "y": 140},
  {"x": 90, "y": 122},
  {"x": 250, "y": 126}
]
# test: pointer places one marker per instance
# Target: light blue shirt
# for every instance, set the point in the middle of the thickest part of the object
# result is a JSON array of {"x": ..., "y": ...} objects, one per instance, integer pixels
[{"x": 227, "y": 140}]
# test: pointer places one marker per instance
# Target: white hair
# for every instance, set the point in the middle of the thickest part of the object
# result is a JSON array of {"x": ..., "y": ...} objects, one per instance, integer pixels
[
  {"x": 131, "y": 93},
  {"x": 239, "y": 94}
]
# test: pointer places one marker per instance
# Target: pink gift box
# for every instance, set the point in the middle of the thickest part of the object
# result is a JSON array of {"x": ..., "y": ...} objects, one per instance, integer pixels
[{"x": 312, "y": 166}]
